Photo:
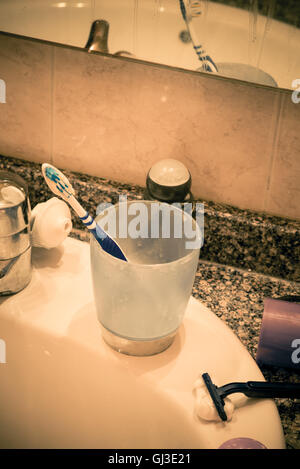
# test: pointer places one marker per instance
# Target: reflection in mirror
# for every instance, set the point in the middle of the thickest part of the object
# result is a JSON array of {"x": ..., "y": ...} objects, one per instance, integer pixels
[{"x": 252, "y": 40}]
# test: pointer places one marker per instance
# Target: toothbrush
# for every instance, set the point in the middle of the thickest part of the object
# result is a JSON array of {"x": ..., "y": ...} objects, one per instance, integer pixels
[
  {"x": 60, "y": 185},
  {"x": 194, "y": 7}
]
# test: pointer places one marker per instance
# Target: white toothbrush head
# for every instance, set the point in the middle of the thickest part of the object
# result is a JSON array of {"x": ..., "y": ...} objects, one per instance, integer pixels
[
  {"x": 59, "y": 185},
  {"x": 57, "y": 181}
]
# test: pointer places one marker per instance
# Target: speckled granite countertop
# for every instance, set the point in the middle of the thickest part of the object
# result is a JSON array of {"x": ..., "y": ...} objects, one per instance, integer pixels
[{"x": 231, "y": 287}]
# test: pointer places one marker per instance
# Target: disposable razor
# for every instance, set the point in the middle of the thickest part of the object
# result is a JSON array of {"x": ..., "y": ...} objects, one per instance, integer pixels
[{"x": 257, "y": 389}]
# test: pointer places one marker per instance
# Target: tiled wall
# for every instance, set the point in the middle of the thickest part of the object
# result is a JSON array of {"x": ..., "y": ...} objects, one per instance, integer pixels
[{"x": 113, "y": 117}]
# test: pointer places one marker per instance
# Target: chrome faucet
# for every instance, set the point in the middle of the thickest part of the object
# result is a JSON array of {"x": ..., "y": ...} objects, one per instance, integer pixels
[{"x": 15, "y": 234}]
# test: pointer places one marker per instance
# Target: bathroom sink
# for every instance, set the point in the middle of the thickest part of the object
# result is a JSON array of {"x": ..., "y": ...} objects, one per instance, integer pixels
[{"x": 62, "y": 386}]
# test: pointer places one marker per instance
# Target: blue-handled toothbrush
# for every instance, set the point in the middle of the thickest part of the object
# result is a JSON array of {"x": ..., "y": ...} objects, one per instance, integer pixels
[
  {"x": 60, "y": 185},
  {"x": 194, "y": 9}
]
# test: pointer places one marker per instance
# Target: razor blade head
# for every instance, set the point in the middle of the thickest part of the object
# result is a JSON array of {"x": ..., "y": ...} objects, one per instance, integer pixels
[{"x": 216, "y": 398}]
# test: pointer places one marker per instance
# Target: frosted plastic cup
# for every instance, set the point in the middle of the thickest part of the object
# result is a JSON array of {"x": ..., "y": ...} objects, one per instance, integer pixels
[{"x": 141, "y": 303}]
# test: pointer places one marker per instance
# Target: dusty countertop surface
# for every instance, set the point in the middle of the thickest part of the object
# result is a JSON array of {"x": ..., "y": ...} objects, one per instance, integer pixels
[{"x": 235, "y": 293}]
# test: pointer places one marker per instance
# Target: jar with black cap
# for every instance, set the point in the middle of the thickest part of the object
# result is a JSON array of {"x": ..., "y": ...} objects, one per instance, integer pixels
[{"x": 169, "y": 181}]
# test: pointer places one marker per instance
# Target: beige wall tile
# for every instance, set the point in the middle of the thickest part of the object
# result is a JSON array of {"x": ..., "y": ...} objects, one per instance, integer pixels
[
  {"x": 115, "y": 118},
  {"x": 284, "y": 191},
  {"x": 25, "y": 118}
]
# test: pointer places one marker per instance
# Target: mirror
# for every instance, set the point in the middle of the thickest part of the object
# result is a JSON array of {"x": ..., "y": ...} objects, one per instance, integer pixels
[{"x": 253, "y": 40}]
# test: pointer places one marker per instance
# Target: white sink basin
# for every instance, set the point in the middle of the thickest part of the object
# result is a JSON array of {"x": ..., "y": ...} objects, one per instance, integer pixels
[{"x": 62, "y": 386}]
